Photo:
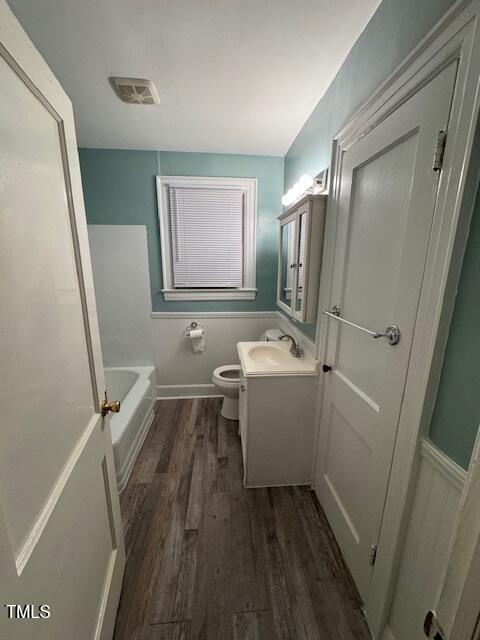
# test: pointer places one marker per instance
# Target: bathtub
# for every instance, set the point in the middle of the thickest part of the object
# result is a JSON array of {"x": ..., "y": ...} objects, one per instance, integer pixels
[{"x": 135, "y": 387}]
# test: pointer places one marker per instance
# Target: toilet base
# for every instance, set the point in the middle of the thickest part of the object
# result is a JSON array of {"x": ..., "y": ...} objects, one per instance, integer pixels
[{"x": 230, "y": 408}]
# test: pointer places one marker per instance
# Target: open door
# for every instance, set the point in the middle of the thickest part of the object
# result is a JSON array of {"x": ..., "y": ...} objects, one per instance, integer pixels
[{"x": 61, "y": 546}]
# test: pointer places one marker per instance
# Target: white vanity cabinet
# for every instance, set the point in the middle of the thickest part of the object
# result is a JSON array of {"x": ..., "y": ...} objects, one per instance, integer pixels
[
  {"x": 300, "y": 257},
  {"x": 277, "y": 418}
]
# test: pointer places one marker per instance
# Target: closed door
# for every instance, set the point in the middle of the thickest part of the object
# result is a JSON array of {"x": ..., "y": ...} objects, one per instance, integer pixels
[
  {"x": 61, "y": 542},
  {"x": 386, "y": 206}
]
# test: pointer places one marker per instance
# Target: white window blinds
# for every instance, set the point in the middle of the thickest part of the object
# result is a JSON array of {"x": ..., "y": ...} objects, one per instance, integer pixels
[{"x": 206, "y": 227}]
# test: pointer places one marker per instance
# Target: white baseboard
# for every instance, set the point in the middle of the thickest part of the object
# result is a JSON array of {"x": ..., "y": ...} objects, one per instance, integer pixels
[{"x": 173, "y": 391}]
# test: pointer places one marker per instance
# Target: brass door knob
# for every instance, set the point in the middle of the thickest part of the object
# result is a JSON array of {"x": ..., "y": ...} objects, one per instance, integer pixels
[{"x": 107, "y": 406}]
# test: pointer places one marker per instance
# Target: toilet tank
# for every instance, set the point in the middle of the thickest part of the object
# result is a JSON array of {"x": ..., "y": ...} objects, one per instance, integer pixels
[{"x": 272, "y": 335}]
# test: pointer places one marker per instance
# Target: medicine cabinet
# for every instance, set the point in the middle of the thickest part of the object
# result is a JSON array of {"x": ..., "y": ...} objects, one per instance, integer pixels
[{"x": 300, "y": 257}]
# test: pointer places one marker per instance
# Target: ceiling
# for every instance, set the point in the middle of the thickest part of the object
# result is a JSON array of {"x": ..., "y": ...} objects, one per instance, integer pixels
[{"x": 234, "y": 76}]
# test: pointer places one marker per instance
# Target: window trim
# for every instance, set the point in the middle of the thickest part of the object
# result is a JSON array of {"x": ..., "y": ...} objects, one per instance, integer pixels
[{"x": 249, "y": 186}]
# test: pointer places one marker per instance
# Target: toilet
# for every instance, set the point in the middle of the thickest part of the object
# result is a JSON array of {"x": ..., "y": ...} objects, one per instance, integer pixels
[{"x": 227, "y": 380}]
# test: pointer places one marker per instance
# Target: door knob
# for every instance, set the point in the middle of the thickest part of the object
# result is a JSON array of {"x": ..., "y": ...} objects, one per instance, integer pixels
[
  {"x": 326, "y": 368},
  {"x": 107, "y": 406}
]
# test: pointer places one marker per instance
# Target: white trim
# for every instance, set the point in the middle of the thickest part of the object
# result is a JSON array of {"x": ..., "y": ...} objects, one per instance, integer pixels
[
  {"x": 162, "y": 315},
  {"x": 450, "y": 470},
  {"x": 456, "y": 605},
  {"x": 454, "y": 37},
  {"x": 175, "y": 391},
  {"x": 249, "y": 186},
  {"x": 209, "y": 294}
]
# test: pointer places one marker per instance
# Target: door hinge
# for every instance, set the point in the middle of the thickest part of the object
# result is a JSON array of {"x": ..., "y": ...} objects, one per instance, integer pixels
[
  {"x": 373, "y": 554},
  {"x": 439, "y": 151},
  {"x": 431, "y": 628}
]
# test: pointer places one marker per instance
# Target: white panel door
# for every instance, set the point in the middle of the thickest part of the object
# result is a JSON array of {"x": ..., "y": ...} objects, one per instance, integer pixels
[
  {"x": 386, "y": 204},
  {"x": 61, "y": 542}
]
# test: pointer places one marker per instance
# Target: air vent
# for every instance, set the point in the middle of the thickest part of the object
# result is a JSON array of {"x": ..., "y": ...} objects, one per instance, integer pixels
[{"x": 135, "y": 90}]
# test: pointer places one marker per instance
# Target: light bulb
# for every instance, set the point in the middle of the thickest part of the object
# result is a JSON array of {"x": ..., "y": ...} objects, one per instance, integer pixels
[
  {"x": 297, "y": 190},
  {"x": 285, "y": 200},
  {"x": 306, "y": 181}
]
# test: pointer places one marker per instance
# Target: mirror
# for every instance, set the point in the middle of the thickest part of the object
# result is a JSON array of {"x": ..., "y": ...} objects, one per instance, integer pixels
[
  {"x": 287, "y": 252},
  {"x": 301, "y": 262}
]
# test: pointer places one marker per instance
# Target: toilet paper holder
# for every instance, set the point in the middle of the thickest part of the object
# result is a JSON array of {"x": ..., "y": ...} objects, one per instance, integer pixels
[{"x": 192, "y": 325}]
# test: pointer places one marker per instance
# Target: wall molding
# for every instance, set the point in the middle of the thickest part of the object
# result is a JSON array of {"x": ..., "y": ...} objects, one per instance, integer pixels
[
  {"x": 209, "y": 294},
  {"x": 171, "y": 315},
  {"x": 450, "y": 470},
  {"x": 174, "y": 391}
]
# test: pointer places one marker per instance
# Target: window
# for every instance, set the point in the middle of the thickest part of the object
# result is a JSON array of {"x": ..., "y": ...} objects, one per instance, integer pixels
[{"x": 207, "y": 228}]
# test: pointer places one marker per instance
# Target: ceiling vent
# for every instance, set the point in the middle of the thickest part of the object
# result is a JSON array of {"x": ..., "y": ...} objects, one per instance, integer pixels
[{"x": 135, "y": 90}]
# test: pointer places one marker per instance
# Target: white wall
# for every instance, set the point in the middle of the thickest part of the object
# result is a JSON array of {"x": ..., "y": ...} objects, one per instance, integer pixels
[
  {"x": 437, "y": 495},
  {"x": 182, "y": 372},
  {"x": 122, "y": 289}
]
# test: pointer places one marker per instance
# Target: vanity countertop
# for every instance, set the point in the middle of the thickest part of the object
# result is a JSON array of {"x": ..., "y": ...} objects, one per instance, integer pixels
[{"x": 274, "y": 359}]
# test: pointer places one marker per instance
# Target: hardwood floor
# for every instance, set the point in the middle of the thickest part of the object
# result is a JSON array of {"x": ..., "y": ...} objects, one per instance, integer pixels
[{"x": 208, "y": 559}]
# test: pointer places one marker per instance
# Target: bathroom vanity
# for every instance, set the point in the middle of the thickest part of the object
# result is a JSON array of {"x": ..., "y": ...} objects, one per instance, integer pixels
[{"x": 276, "y": 414}]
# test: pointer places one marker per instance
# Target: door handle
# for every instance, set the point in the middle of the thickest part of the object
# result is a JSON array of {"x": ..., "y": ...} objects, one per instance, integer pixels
[{"x": 107, "y": 406}]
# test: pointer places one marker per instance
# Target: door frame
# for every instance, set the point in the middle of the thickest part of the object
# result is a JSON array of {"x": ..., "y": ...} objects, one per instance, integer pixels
[{"x": 456, "y": 36}]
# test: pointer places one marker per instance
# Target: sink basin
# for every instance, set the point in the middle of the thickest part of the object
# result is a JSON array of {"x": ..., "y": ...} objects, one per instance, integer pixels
[
  {"x": 274, "y": 359},
  {"x": 269, "y": 356}
]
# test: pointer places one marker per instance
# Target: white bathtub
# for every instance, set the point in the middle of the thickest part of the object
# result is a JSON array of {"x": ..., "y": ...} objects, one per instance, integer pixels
[{"x": 135, "y": 387}]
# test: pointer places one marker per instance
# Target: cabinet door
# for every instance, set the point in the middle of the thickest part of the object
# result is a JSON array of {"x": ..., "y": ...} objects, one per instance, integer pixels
[
  {"x": 301, "y": 261},
  {"x": 287, "y": 265}
]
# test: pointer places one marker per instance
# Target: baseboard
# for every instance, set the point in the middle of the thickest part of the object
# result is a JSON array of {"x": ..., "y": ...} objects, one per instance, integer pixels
[{"x": 173, "y": 391}]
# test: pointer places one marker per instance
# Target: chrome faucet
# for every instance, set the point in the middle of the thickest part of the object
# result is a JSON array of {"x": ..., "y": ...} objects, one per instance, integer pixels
[{"x": 295, "y": 350}]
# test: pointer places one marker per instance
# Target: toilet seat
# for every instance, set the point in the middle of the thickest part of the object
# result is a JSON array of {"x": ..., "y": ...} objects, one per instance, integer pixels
[{"x": 222, "y": 374}]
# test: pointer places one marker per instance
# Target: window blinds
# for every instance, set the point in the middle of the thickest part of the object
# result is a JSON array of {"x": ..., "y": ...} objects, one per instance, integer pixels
[{"x": 206, "y": 226}]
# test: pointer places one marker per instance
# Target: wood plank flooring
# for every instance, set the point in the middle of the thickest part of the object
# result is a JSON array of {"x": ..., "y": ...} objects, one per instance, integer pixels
[{"x": 208, "y": 559}]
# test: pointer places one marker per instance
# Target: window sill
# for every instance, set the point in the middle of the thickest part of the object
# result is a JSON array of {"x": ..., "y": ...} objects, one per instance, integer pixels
[{"x": 209, "y": 294}]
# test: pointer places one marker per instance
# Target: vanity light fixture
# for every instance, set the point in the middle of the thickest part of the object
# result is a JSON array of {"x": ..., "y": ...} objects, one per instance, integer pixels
[{"x": 306, "y": 184}]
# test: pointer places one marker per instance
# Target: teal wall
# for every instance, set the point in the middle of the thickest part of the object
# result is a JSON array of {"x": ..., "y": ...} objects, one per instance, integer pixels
[
  {"x": 457, "y": 411},
  {"x": 394, "y": 30},
  {"x": 119, "y": 188}
]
